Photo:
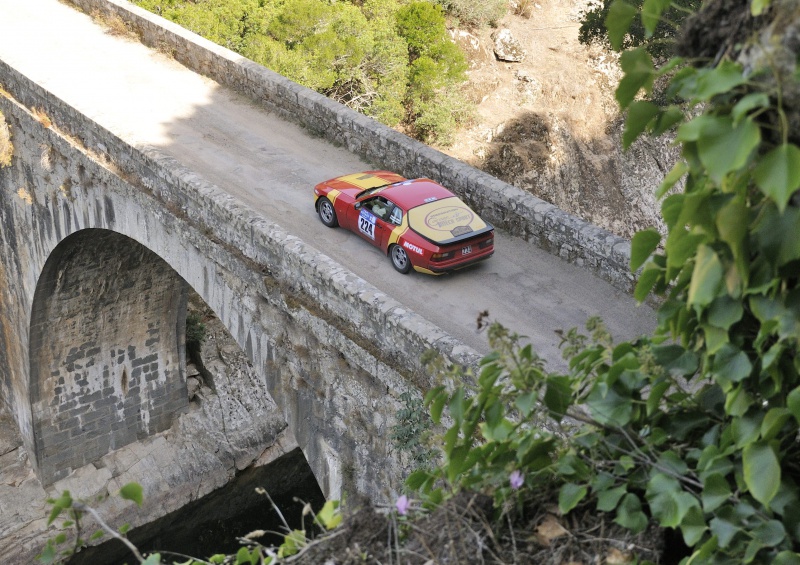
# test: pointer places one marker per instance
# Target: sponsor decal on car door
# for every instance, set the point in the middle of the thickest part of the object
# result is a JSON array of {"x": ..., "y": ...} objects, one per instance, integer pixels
[{"x": 366, "y": 224}]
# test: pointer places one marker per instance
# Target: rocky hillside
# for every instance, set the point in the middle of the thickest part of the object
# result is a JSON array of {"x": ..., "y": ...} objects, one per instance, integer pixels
[{"x": 549, "y": 123}]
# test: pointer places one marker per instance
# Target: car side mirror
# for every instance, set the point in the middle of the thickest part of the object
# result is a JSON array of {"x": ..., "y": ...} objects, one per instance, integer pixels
[{"x": 358, "y": 205}]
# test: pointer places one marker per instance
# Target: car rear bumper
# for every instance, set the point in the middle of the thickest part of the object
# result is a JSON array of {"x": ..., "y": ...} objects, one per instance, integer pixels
[{"x": 438, "y": 269}]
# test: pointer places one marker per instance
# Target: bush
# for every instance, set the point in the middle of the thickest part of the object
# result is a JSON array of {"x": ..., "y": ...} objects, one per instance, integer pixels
[
  {"x": 696, "y": 427},
  {"x": 475, "y": 13}
]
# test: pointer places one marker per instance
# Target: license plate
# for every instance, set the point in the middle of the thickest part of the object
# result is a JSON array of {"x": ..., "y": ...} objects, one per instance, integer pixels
[{"x": 466, "y": 250}]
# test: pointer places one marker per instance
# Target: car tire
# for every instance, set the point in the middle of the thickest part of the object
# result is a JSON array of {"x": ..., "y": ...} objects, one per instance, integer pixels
[
  {"x": 400, "y": 260},
  {"x": 327, "y": 213}
]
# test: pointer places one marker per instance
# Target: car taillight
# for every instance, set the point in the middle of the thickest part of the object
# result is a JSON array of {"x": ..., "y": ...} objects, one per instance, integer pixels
[
  {"x": 487, "y": 243},
  {"x": 443, "y": 256}
]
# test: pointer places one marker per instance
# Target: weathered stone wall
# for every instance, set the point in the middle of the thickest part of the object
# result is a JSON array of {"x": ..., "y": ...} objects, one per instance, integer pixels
[
  {"x": 107, "y": 334},
  {"x": 335, "y": 352},
  {"x": 515, "y": 210}
]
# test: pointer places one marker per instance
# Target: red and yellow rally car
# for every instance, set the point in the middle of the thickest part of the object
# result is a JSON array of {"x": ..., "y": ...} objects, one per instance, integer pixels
[{"x": 418, "y": 223}]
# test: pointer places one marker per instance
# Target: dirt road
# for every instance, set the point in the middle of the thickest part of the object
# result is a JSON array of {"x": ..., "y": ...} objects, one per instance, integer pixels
[{"x": 271, "y": 165}]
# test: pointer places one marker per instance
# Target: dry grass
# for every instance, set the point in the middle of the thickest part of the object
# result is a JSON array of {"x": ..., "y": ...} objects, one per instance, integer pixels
[
  {"x": 6, "y": 148},
  {"x": 114, "y": 25},
  {"x": 41, "y": 117}
]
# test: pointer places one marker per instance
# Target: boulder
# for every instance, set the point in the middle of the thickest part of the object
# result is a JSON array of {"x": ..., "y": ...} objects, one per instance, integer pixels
[{"x": 506, "y": 47}]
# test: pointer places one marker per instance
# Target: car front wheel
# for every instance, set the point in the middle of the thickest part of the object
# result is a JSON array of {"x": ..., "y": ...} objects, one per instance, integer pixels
[
  {"x": 400, "y": 260},
  {"x": 326, "y": 213}
]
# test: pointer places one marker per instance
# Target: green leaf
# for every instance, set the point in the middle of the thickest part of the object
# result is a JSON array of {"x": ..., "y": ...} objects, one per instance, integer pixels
[
  {"x": 640, "y": 114},
  {"x": 793, "y": 403},
  {"x": 651, "y": 14},
  {"x": 329, "y": 516},
  {"x": 770, "y": 533},
  {"x": 610, "y": 408},
  {"x": 655, "y": 396},
  {"x": 778, "y": 174},
  {"x": 558, "y": 395},
  {"x": 668, "y": 502},
  {"x": 731, "y": 364},
  {"x": 643, "y": 244},
  {"x": 773, "y": 422},
  {"x": 724, "y": 312},
  {"x": 676, "y": 173},
  {"x": 526, "y": 402},
  {"x": 132, "y": 492},
  {"x": 97, "y": 535},
  {"x": 639, "y": 73},
  {"x": 608, "y": 500},
  {"x": 757, "y": 7},
  {"x": 787, "y": 558},
  {"x": 706, "y": 277},
  {"x": 724, "y": 530},
  {"x": 693, "y": 526},
  {"x": 153, "y": 559},
  {"x": 762, "y": 471},
  {"x": 243, "y": 557},
  {"x": 630, "y": 515},
  {"x": 747, "y": 103},
  {"x": 456, "y": 406},
  {"x": 716, "y": 491},
  {"x": 437, "y": 405},
  {"x": 419, "y": 478},
  {"x": 723, "y": 147},
  {"x": 48, "y": 554},
  {"x": 722, "y": 78},
  {"x": 647, "y": 280},
  {"x": 124, "y": 528},
  {"x": 569, "y": 496},
  {"x": 618, "y": 21}
]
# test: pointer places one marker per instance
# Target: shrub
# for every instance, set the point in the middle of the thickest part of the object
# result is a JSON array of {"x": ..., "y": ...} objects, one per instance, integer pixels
[
  {"x": 697, "y": 426},
  {"x": 475, "y": 13}
]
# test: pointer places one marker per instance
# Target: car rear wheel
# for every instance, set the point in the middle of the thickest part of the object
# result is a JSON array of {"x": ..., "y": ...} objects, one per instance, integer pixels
[
  {"x": 400, "y": 260},
  {"x": 326, "y": 213}
]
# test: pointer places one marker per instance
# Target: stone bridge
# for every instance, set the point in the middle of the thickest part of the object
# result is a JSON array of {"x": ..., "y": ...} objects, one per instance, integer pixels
[{"x": 101, "y": 240}]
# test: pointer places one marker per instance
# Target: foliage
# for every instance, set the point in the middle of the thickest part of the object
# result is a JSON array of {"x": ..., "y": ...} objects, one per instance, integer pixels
[
  {"x": 695, "y": 427},
  {"x": 251, "y": 553},
  {"x": 475, "y": 13},
  {"x": 360, "y": 54},
  {"x": 593, "y": 24},
  {"x": 195, "y": 330},
  {"x": 435, "y": 110},
  {"x": 412, "y": 430}
]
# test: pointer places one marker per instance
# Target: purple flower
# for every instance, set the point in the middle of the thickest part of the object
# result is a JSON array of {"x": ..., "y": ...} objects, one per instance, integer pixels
[
  {"x": 516, "y": 479},
  {"x": 403, "y": 504}
]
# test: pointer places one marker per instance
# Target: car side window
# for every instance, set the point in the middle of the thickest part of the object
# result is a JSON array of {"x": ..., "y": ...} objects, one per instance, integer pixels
[
  {"x": 396, "y": 216},
  {"x": 380, "y": 207}
]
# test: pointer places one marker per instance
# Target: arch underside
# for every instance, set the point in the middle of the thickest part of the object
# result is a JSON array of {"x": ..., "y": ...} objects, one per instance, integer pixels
[{"x": 107, "y": 355}]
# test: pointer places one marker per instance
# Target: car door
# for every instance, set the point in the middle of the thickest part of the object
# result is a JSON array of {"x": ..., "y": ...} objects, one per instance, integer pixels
[{"x": 372, "y": 222}]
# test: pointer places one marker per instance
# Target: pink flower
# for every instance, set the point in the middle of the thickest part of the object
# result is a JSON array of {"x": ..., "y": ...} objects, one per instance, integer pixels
[
  {"x": 403, "y": 504},
  {"x": 516, "y": 479}
]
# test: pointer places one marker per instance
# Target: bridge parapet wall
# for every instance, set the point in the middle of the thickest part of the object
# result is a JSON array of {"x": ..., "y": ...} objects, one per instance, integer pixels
[{"x": 506, "y": 206}]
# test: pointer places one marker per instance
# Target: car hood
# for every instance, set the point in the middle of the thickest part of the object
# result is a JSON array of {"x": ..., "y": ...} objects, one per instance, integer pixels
[{"x": 446, "y": 221}]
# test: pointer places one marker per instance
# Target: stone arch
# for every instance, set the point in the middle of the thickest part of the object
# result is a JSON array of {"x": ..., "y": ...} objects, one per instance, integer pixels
[{"x": 107, "y": 357}]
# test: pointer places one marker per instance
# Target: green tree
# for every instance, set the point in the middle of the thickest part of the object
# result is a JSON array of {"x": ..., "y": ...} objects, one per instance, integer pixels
[
  {"x": 359, "y": 54},
  {"x": 436, "y": 107},
  {"x": 658, "y": 41}
]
